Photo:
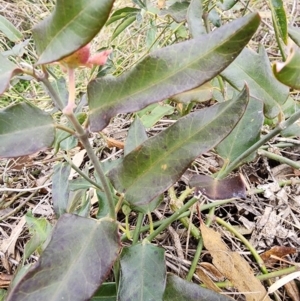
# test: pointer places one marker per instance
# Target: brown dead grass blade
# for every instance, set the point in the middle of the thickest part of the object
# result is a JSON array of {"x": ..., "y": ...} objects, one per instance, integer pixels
[{"x": 233, "y": 266}]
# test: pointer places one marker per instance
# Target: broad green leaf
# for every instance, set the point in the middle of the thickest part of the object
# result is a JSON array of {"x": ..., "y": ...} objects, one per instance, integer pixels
[
  {"x": 127, "y": 21},
  {"x": 24, "y": 130},
  {"x": 279, "y": 19},
  {"x": 107, "y": 292},
  {"x": 156, "y": 164},
  {"x": 7, "y": 71},
  {"x": 245, "y": 134},
  {"x": 60, "y": 188},
  {"x": 17, "y": 50},
  {"x": 228, "y": 4},
  {"x": 143, "y": 273},
  {"x": 40, "y": 229},
  {"x": 70, "y": 26},
  {"x": 254, "y": 69},
  {"x": 9, "y": 30},
  {"x": 288, "y": 72},
  {"x": 194, "y": 19},
  {"x": 121, "y": 13},
  {"x": 76, "y": 261},
  {"x": 178, "y": 289},
  {"x": 136, "y": 136},
  {"x": 294, "y": 33},
  {"x": 168, "y": 71},
  {"x": 214, "y": 18},
  {"x": 3, "y": 294}
]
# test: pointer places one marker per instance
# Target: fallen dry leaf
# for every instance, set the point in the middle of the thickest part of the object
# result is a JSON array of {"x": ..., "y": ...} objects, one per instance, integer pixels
[
  {"x": 111, "y": 142},
  {"x": 278, "y": 251},
  {"x": 206, "y": 280},
  {"x": 292, "y": 290},
  {"x": 233, "y": 266}
]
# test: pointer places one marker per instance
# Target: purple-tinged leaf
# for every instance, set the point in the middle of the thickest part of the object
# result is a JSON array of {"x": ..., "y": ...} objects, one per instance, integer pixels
[
  {"x": 168, "y": 71},
  {"x": 24, "y": 130},
  {"x": 76, "y": 261},
  {"x": 214, "y": 189},
  {"x": 70, "y": 26},
  {"x": 156, "y": 164}
]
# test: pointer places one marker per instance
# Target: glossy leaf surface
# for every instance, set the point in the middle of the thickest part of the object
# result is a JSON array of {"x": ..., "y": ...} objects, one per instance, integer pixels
[
  {"x": 245, "y": 134},
  {"x": 70, "y": 26},
  {"x": 289, "y": 72},
  {"x": 178, "y": 289},
  {"x": 156, "y": 164},
  {"x": 143, "y": 273},
  {"x": 168, "y": 71},
  {"x": 7, "y": 71},
  {"x": 74, "y": 264},
  {"x": 255, "y": 69},
  {"x": 24, "y": 129}
]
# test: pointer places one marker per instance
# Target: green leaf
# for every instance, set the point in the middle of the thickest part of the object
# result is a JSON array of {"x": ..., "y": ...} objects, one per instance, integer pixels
[
  {"x": 177, "y": 11},
  {"x": 245, "y": 134},
  {"x": 143, "y": 273},
  {"x": 60, "y": 188},
  {"x": 136, "y": 136},
  {"x": 40, "y": 229},
  {"x": 24, "y": 130},
  {"x": 155, "y": 114},
  {"x": 194, "y": 19},
  {"x": 3, "y": 294},
  {"x": 127, "y": 21},
  {"x": 156, "y": 164},
  {"x": 254, "y": 69},
  {"x": 9, "y": 30},
  {"x": 69, "y": 27},
  {"x": 7, "y": 71},
  {"x": 279, "y": 19},
  {"x": 107, "y": 292},
  {"x": 121, "y": 13},
  {"x": 178, "y": 289},
  {"x": 168, "y": 71},
  {"x": 74, "y": 264},
  {"x": 294, "y": 33},
  {"x": 288, "y": 72}
]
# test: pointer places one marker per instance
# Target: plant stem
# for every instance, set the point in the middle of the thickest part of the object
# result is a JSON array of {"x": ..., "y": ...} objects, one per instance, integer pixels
[
  {"x": 278, "y": 158},
  {"x": 83, "y": 137},
  {"x": 257, "y": 257},
  {"x": 195, "y": 260},
  {"x": 258, "y": 144},
  {"x": 137, "y": 229},
  {"x": 81, "y": 173},
  {"x": 65, "y": 128}
]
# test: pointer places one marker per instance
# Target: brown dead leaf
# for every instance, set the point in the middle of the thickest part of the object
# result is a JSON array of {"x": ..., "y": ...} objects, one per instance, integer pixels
[
  {"x": 292, "y": 290},
  {"x": 212, "y": 271},
  {"x": 111, "y": 142},
  {"x": 5, "y": 280},
  {"x": 278, "y": 251},
  {"x": 233, "y": 266},
  {"x": 206, "y": 280},
  {"x": 20, "y": 162}
]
